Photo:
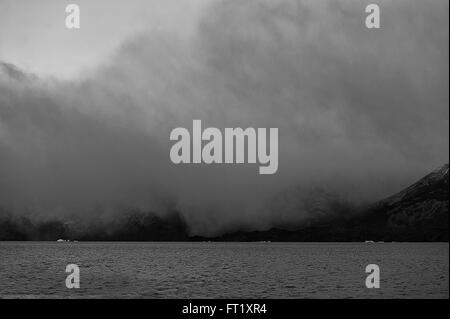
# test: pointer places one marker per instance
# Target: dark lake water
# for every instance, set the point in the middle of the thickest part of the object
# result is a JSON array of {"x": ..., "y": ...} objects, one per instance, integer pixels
[{"x": 224, "y": 270}]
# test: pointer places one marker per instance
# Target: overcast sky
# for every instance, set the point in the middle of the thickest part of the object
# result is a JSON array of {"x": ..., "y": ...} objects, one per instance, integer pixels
[
  {"x": 33, "y": 34},
  {"x": 85, "y": 115}
]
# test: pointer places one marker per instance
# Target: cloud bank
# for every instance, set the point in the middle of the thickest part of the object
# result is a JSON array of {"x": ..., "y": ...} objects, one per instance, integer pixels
[{"x": 361, "y": 113}]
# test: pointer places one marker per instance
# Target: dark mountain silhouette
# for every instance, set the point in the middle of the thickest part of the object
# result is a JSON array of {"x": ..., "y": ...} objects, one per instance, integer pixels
[
  {"x": 133, "y": 226},
  {"x": 417, "y": 213},
  {"x": 420, "y": 211}
]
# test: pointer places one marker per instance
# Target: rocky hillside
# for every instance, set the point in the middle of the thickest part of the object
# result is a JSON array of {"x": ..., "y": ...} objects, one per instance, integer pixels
[{"x": 421, "y": 206}]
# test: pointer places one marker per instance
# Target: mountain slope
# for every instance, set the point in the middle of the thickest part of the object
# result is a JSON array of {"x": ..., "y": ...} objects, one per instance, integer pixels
[
  {"x": 420, "y": 210},
  {"x": 417, "y": 213}
]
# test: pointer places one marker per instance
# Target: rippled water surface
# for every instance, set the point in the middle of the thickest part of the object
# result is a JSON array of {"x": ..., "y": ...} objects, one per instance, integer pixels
[{"x": 223, "y": 270}]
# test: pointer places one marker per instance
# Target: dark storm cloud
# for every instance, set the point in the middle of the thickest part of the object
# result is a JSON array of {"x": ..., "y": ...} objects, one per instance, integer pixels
[{"x": 361, "y": 113}]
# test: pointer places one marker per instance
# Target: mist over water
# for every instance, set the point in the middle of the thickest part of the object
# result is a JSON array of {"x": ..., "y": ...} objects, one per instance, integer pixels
[{"x": 360, "y": 113}]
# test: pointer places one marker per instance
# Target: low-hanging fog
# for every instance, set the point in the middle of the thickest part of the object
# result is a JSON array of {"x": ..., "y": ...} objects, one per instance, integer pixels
[{"x": 361, "y": 114}]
